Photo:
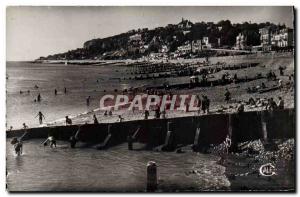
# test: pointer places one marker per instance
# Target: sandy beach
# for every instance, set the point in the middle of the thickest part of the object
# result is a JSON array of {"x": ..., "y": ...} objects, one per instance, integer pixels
[{"x": 216, "y": 94}]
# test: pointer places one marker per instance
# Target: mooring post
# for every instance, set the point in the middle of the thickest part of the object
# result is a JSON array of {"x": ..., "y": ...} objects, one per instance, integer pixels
[{"x": 151, "y": 176}]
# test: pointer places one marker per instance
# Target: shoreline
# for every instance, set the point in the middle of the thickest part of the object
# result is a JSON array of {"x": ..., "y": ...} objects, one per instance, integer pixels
[
  {"x": 86, "y": 117},
  {"x": 181, "y": 60}
]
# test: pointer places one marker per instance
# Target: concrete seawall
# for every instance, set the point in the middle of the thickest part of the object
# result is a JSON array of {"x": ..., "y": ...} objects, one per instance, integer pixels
[{"x": 213, "y": 129}]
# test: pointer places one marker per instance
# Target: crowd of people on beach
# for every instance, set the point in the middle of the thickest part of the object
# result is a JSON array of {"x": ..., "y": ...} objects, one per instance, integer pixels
[{"x": 203, "y": 101}]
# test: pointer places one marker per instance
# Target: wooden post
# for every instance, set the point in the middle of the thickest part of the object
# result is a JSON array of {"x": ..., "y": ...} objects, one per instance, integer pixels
[
  {"x": 167, "y": 140},
  {"x": 196, "y": 139},
  {"x": 230, "y": 125},
  {"x": 108, "y": 129},
  {"x": 151, "y": 176},
  {"x": 130, "y": 142},
  {"x": 264, "y": 125}
]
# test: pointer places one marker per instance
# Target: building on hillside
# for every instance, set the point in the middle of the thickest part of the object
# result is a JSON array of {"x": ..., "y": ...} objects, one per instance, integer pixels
[
  {"x": 265, "y": 38},
  {"x": 205, "y": 43},
  {"x": 164, "y": 49},
  {"x": 184, "y": 49},
  {"x": 155, "y": 56},
  {"x": 256, "y": 48},
  {"x": 133, "y": 49},
  {"x": 196, "y": 46},
  {"x": 135, "y": 37},
  {"x": 283, "y": 38},
  {"x": 185, "y": 24},
  {"x": 205, "y": 40},
  {"x": 144, "y": 48},
  {"x": 241, "y": 42}
]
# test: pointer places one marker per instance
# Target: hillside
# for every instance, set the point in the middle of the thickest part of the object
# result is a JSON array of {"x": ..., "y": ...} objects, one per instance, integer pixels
[{"x": 142, "y": 42}]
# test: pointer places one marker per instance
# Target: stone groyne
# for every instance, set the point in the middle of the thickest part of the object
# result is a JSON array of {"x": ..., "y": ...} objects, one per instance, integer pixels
[{"x": 214, "y": 128}]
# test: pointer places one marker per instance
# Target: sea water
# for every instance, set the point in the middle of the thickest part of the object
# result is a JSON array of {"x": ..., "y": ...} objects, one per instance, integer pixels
[
  {"x": 80, "y": 81},
  {"x": 116, "y": 169}
]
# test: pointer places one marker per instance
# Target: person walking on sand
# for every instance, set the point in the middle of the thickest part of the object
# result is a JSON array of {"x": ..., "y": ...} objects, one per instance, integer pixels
[
  {"x": 88, "y": 100},
  {"x": 95, "y": 119},
  {"x": 281, "y": 70},
  {"x": 240, "y": 108},
  {"x": 25, "y": 127},
  {"x": 227, "y": 95},
  {"x": 39, "y": 97},
  {"x": 271, "y": 104},
  {"x": 120, "y": 118},
  {"x": 199, "y": 104},
  {"x": 146, "y": 114},
  {"x": 68, "y": 121},
  {"x": 280, "y": 103},
  {"x": 41, "y": 116},
  {"x": 203, "y": 105},
  {"x": 280, "y": 85},
  {"x": 207, "y": 102}
]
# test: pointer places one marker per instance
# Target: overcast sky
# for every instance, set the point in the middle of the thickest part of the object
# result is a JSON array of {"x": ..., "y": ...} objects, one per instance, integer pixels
[{"x": 40, "y": 31}]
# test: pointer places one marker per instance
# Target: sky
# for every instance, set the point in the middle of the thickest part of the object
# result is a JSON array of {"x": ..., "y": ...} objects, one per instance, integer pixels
[{"x": 32, "y": 32}]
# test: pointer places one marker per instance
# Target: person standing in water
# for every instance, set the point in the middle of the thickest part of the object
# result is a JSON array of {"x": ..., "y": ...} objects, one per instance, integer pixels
[
  {"x": 55, "y": 92},
  {"x": 52, "y": 142},
  {"x": 18, "y": 146},
  {"x": 88, "y": 100},
  {"x": 41, "y": 116},
  {"x": 65, "y": 90}
]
